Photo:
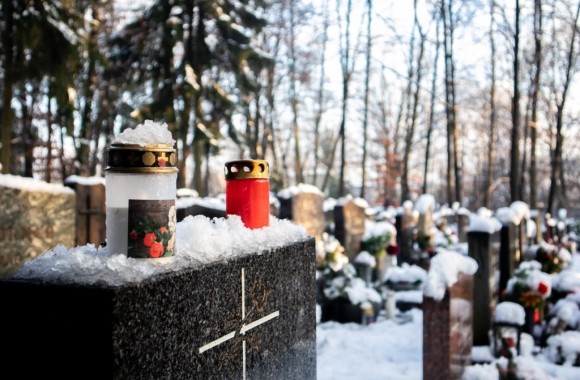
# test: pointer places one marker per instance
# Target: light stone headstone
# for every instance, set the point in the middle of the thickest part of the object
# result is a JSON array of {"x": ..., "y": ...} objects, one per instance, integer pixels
[
  {"x": 307, "y": 211},
  {"x": 349, "y": 219},
  {"x": 34, "y": 217}
]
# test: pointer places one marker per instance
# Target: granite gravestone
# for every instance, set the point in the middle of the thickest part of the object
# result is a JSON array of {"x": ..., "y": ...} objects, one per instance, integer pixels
[
  {"x": 405, "y": 225},
  {"x": 483, "y": 250},
  {"x": 507, "y": 253},
  {"x": 252, "y": 317},
  {"x": 34, "y": 217},
  {"x": 349, "y": 226},
  {"x": 447, "y": 331}
]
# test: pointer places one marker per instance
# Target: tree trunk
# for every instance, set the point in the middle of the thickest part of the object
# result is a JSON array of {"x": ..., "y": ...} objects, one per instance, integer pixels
[
  {"x": 8, "y": 9},
  {"x": 492, "y": 112},
  {"x": 294, "y": 100},
  {"x": 431, "y": 109},
  {"x": 405, "y": 191},
  {"x": 320, "y": 97},
  {"x": 346, "y": 73},
  {"x": 515, "y": 143},
  {"x": 366, "y": 99},
  {"x": 535, "y": 96},
  {"x": 557, "y": 169}
]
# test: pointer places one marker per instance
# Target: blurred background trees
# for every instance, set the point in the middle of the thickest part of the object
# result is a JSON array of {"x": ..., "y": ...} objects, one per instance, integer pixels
[{"x": 475, "y": 102}]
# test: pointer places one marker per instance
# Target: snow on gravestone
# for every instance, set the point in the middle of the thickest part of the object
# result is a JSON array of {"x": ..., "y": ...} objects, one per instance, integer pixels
[
  {"x": 447, "y": 316},
  {"x": 34, "y": 217},
  {"x": 232, "y": 303}
]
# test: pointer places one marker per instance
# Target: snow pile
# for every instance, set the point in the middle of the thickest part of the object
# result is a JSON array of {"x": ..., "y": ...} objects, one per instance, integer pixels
[
  {"x": 567, "y": 281},
  {"x": 507, "y": 215},
  {"x": 521, "y": 209},
  {"x": 329, "y": 204},
  {"x": 366, "y": 258},
  {"x": 301, "y": 188},
  {"x": 358, "y": 292},
  {"x": 406, "y": 273},
  {"x": 567, "y": 311},
  {"x": 564, "y": 348},
  {"x": 480, "y": 223},
  {"x": 377, "y": 229},
  {"x": 425, "y": 203},
  {"x": 31, "y": 184},
  {"x": 199, "y": 241},
  {"x": 485, "y": 212},
  {"x": 148, "y": 133},
  {"x": 444, "y": 270},
  {"x": 510, "y": 312}
]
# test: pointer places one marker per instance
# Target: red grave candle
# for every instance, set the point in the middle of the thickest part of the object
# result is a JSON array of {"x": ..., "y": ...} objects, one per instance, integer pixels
[{"x": 248, "y": 191}]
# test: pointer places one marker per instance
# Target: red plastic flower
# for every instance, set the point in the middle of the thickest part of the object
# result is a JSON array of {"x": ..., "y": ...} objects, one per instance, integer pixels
[
  {"x": 543, "y": 288},
  {"x": 149, "y": 239},
  {"x": 133, "y": 235},
  {"x": 156, "y": 249},
  {"x": 393, "y": 249},
  {"x": 163, "y": 230}
]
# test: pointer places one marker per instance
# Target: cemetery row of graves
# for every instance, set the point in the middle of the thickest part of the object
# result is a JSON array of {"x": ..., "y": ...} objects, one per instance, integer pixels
[{"x": 373, "y": 261}]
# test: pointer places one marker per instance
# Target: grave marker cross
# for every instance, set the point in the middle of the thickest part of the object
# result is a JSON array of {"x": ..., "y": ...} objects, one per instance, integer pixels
[{"x": 243, "y": 329}]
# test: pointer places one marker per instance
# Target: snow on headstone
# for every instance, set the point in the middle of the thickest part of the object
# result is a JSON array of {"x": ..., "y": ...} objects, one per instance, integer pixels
[
  {"x": 510, "y": 312},
  {"x": 507, "y": 215},
  {"x": 425, "y": 203},
  {"x": 444, "y": 271},
  {"x": 521, "y": 209},
  {"x": 200, "y": 241},
  {"x": 480, "y": 223},
  {"x": 148, "y": 133}
]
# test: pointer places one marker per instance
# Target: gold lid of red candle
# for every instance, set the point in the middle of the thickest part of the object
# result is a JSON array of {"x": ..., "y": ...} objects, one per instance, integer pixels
[
  {"x": 133, "y": 158},
  {"x": 245, "y": 169}
]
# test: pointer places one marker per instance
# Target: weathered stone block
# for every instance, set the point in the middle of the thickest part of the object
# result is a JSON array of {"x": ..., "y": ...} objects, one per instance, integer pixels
[{"x": 34, "y": 217}]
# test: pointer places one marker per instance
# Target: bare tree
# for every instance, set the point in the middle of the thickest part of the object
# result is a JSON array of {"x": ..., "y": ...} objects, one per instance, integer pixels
[
  {"x": 556, "y": 176},
  {"x": 415, "y": 78},
  {"x": 515, "y": 135},
  {"x": 492, "y": 110},
  {"x": 366, "y": 98}
]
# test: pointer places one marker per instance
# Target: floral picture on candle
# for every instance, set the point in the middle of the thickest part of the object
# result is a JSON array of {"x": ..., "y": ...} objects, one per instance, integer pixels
[{"x": 151, "y": 228}]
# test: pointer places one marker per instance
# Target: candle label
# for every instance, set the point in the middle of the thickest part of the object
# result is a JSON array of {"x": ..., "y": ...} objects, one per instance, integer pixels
[{"x": 151, "y": 228}]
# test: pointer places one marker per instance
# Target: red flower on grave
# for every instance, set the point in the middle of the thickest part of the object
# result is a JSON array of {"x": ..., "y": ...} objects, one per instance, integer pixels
[
  {"x": 156, "y": 249},
  {"x": 149, "y": 239},
  {"x": 543, "y": 288},
  {"x": 393, "y": 249},
  {"x": 510, "y": 341},
  {"x": 133, "y": 235},
  {"x": 431, "y": 251},
  {"x": 163, "y": 230}
]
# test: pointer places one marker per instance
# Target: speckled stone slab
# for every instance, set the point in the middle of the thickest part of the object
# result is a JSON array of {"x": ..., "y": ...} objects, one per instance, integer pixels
[{"x": 252, "y": 317}]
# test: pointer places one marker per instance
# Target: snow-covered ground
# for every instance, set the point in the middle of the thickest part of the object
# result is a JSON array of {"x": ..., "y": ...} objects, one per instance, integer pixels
[{"x": 392, "y": 349}]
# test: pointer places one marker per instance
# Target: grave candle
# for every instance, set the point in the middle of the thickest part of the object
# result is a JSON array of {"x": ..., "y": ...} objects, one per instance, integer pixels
[
  {"x": 248, "y": 191},
  {"x": 140, "y": 199}
]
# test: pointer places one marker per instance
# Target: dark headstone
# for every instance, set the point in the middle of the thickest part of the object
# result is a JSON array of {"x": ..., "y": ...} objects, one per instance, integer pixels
[
  {"x": 404, "y": 223},
  {"x": 507, "y": 254},
  {"x": 447, "y": 329},
  {"x": 199, "y": 209},
  {"x": 481, "y": 249},
  {"x": 227, "y": 320}
]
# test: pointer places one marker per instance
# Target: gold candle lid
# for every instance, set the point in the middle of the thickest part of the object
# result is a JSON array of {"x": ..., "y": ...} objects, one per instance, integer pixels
[
  {"x": 133, "y": 158},
  {"x": 244, "y": 169}
]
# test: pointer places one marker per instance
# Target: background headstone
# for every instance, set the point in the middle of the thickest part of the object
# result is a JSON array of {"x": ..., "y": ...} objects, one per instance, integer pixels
[
  {"x": 349, "y": 226},
  {"x": 447, "y": 331},
  {"x": 34, "y": 217},
  {"x": 405, "y": 225},
  {"x": 90, "y": 209},
  {"x": 507, "y": 253},
  {"x": 307, "y": 211},
  {"x": 481, "y": 249}
]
